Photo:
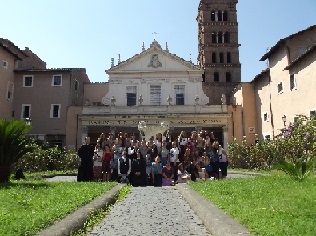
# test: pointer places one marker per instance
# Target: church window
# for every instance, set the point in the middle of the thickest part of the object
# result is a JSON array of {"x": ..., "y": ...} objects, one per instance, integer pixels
[
  {"x": 131, "y": 92},
  {"x": 228, "y": 58},
  {"x": 228, "y": 77},
  {"x": 221, "y": 57},
  {"x": 155, "y": 95},
  {"x": 213, "y": 57},
  {"x": 179, "y": 93},
  {"x": 214, "y": 37},
  {"x": 225, "y": 16},
  {"x": 220, "y": 16},
  {"x": 213, "y": 16},
  {"x": 220, "y": 37},
  {"x": 216, "y": 77},
  {"x": 226, "y": 37}
]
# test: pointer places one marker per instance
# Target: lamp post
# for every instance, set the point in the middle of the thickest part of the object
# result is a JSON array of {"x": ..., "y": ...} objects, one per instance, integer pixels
[
  {"x": 28, "y": 121},
  {"x": 284, "y": 120}
]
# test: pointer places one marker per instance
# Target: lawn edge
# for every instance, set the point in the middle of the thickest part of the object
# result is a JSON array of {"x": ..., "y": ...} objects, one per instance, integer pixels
[{"x": 215, "y": 220}]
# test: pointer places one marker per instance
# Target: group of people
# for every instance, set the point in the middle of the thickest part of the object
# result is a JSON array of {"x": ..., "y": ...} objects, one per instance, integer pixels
[{"x": 158, "y": 161}]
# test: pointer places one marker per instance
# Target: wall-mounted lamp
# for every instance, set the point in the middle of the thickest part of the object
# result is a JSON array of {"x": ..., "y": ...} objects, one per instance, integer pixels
[
  {"x": 284, "y": 119},
  {"x": 28, "y": 121}
]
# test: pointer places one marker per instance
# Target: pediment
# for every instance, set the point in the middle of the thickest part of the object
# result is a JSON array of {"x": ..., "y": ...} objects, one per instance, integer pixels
[{"x": 154, "y": 59}]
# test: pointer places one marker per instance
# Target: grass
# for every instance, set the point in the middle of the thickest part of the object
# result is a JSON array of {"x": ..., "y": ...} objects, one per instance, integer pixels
[
  {"x": 97, "y": 216},
  {"x": 28, "y": 206},
  {"x": 266, "y": 205}
]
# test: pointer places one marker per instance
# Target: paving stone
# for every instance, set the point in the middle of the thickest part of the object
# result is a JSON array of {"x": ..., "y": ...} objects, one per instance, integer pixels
[{"x": 151, "y": 211}]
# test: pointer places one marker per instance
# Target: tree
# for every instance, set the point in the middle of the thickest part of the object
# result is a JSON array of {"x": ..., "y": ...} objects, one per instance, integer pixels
[{"x": 13, "y": 144}]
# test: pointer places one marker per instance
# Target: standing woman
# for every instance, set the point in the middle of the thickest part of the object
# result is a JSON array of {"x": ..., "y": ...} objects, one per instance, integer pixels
[
  {"x": 223, "y": 161},
  {"x": 215, "y": 159},
  {"x": 158, "y": 142},
  {"x": 182, "y": 142},
  {"x": 174, "y": 160},
  {"x": 97, "y": 163},
  {"x": 164, "y": 153},
  {"x": 139, "y": 171},
  {"x": 106, "y": 164},
  {"x": 156, "y": 170}
]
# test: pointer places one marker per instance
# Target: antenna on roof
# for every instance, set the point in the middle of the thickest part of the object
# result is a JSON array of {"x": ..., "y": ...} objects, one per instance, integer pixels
[{"x": 143, "y": 47}]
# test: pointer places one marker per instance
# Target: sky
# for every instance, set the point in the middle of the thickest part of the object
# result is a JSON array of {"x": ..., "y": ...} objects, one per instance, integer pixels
[{"x": 88, "y": 33}]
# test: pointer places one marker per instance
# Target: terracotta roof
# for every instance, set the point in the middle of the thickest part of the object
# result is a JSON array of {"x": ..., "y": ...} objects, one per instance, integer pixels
[
  {"x": 11, "y": 48},
  {"x": 311, "y": 50},
  {"x": 281, "y": 42},
  {"x": 51, "y": 69},
  {"x": 264, "y": 72}
]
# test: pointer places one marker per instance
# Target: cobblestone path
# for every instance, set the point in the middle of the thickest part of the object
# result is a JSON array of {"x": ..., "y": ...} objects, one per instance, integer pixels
[{"x": 151, "y": 211}]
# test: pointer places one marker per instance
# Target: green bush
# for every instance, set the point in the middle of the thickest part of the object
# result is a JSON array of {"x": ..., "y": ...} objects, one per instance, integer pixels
[
  {"x": 292, "y": 151},
  {"x": 46, "y": 158}
]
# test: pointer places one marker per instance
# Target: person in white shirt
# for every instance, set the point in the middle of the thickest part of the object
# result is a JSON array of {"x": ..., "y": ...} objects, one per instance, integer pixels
[
  {"x": 174, "y": 160},
  {"x": 223, "y": 161}
]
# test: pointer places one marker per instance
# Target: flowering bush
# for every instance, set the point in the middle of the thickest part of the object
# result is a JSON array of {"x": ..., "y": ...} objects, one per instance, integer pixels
[
  {"x": 46, "y": 158},
  {"x": 293, "y": 151}
]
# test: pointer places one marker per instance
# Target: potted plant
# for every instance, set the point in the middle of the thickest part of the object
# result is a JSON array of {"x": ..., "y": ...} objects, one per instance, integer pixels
[{"x": 13, "y": 144}]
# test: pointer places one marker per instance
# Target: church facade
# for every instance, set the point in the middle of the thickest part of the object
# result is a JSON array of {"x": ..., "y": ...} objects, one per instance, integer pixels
[{"x": 158, "y": 90}]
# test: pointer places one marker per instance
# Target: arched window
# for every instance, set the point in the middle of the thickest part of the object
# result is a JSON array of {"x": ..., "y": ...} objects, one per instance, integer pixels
[
  {"x": 225, "y": 16},
  {"x": 212, "y": 15},
  {"x": 214, "y": 37},
  {"x": 216, "y": 77},
  {"x": 227, "y": 37},
  {"x": 220, "y": 16},
  {"x": 228, "y": 77},
  {"x": 213, "y": 57},
  {"x": 228, "y": 58},
  {"x": 221, "y": 57},
  {"x": 220, "y": 37}
]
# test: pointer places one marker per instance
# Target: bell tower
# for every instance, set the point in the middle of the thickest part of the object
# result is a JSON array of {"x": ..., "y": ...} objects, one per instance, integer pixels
[{"x": 218, "y": 48}]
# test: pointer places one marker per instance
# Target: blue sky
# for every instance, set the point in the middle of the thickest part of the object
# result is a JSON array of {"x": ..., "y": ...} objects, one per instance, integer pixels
[{"x": 82, "y": 33}]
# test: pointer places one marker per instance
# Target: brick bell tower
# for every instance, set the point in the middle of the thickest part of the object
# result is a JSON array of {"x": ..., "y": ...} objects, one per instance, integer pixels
[{"x": 218, "y": 48}]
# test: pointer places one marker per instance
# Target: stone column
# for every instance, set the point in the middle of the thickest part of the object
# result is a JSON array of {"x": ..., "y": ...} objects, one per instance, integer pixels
[
  {"x": 84, "y": 133},
  {"x": 225, "y": 136}
]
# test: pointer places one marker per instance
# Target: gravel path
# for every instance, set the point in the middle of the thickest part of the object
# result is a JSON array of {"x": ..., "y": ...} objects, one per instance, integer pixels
[{"x": 151, "y": 211}]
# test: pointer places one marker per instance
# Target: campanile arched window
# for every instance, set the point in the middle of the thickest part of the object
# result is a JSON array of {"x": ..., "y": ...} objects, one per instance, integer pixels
[
  {"x": 216, "y": 77},
  {"x": 214, "y": 57}
]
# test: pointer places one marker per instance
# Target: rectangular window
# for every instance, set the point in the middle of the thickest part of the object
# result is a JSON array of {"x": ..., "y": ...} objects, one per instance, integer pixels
[
  {"x": 5, "y": 64},
  {"x": 312, "y": 113},
  {"x": 280, "y": 87},
  {"x": 10, "y": 88},
  {"x": 26, "y": 110},
  {"x": 179, "y": 93},
  {"x": 292, "y": 82},
  {"x": 55, "y": 111},
  {"x": 266, "y": 116},
  {"x": 28, "y": 80},
  {"x": 155, "y": 95},
  {"x": 131, "y": 92},
  {"x": 76, "y": 85},
  {"x": 57, "y": 80}
]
